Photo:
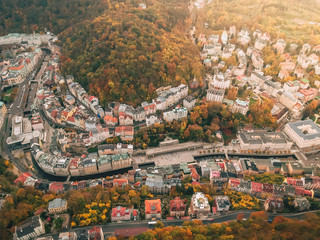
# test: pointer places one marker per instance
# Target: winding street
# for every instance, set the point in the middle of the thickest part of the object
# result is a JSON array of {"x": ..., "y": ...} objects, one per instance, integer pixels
[
  {"x": 110, "y": 228},
  {"x": 16, "y": 110}
]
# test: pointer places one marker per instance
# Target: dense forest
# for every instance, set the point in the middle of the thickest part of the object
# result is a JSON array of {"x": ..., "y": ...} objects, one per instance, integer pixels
[
  {"x": 128, "y": 52},
  {"x": 54, "y": 15},
  {"x": 115, "y": 49}
]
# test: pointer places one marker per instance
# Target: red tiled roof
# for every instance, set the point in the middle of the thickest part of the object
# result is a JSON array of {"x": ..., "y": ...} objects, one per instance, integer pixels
[
  {"x": 23, "y": 177},
  {"x": 153, "y": 206},
  {"x": 177, "y": 204},
  {"x": 95, "y": 233},
  {"x": 120, "y": 129},
  {"x": 135, "y": 212},
  {"x": 120, "y": 181},
  {"x": 308, "y": 92},
  {"x": 109, "y": 118},
  {"x": 257, "y": 187},
  {"x": 92, "y": 98},
  {"x": 56, "y": 186},
  {"x": 64, "y": 113},
  {"x": 70, "y": 119},
  {"x": 119, "y": 210},
  {"x": 39, "y": 212},
  {"x": 151, "y": 107},
  {"x": 194, "y": 173},
  {"x": 17, "y": 68},
  {"x": 137, "y": 184}
]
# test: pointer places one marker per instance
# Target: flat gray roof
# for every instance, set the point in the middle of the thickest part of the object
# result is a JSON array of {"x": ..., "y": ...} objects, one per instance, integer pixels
[{"x": 306, "y": 129}]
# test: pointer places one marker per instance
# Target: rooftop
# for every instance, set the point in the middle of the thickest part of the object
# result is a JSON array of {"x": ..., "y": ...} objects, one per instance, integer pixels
[
  {"x": 306, "y": 129},
  {"x": 57, "y": 203}
]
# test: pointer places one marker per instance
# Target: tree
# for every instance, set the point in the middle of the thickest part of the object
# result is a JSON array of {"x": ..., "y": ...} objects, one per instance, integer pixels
[
  {"x": 232, "y": 93},
  {"x": 159, "y": 225},
  {"x": 58, "y": 223},
  {"x": 240, "y": 217}
]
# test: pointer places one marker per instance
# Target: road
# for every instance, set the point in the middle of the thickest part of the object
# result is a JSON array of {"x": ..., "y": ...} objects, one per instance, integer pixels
[{"x": 109, "y": 228}]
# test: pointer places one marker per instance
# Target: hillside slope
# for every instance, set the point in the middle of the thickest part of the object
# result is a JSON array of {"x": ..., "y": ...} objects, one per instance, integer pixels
[
  {"x": 126, "y": 53},
  {"x": 54, "y": 15}
]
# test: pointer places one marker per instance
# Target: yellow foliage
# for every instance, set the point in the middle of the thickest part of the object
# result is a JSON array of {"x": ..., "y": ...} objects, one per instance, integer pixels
[{"x": 102, "y": 205}]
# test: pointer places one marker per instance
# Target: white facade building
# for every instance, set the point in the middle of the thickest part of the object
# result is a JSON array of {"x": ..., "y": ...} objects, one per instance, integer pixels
[
  {"x": 304, "y": 133},
  {"x": 215, "y": 95},
  {"x": 240, "y": 106},
  {"x": 176, "y": 114}
]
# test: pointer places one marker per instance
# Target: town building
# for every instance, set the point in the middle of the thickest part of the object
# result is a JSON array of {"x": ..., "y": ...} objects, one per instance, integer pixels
[
  {"x": 301, "y": 203},
  {"x": 260, "y": 44},
  {"x": 303, "y": 133},
  {"x": 291, "y": 87},
  {"x": 308, "y": 94},
  {"x": 125, "y": 132},
  {"x": 121, "y": 182},
  {"x": 30, "y": 229},
  {"x": 124, "y": 214},
  {"x": 65, "y": 236},
  {"x": 189, "y": 102},
  {"x": 215, "y": 95},
  {"x": 219, "y": 81},
  {"x": 280, "y": 45},
  {"x": 152, "y": 119},
  {"x": 95, "y": 233},
  {"x": 273, "y": 204},
  {"x": 222, "y": 203},
  {"x": 153, "y": 209},
  {"x": 240, "y": 106},
  {"x": 199, "y": 205},
  {"x": 110, "y": 120},
  {"x": 288, "y": 100},
  {"x": 177, "y": 208},
  {"x": 57, "y": 205},
  {"x": 139, "y": 114},
  {"x": 175, "y": 114},
  {"x": 263, "y": 140}
]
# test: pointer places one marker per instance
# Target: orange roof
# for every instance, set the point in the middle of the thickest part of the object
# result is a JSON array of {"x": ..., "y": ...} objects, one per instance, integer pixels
[
  {"x": 152, "y": 206},
  {"x": 22, "y": 178},
  {"x": 65, "y": 113},
  {"x": 109, "y": 118},
  {"x": 17, "y": 68},
  {"x": 120, "y": 181}
]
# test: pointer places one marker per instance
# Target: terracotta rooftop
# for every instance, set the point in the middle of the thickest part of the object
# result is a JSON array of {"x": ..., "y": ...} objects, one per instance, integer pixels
[{"x": 153, "y": 206}]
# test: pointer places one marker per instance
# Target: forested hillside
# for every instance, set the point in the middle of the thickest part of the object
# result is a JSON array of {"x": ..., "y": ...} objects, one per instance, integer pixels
[
  {"x": 292, "y": 19},
  {"x": 127, "y": 52},
  {"x": 54, "y": 15}
]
